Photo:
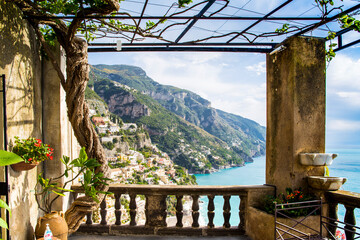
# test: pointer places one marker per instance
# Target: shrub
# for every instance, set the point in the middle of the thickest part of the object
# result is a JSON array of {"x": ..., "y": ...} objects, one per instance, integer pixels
[{"x": 291, "y": 196}]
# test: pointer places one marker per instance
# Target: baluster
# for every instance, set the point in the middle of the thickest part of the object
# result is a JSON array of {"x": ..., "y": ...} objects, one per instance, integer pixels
[
  {"x": 155, "y": 210},
  {"x": 333, "y": 209},
  {"x": 226, "y": 212},
  {"x": 211, "y": 213},
  {"x": 89, "y": 218},
  {"x": 179, "y": 211},
  {"x": 103, "y": 212},
  {"x": 350, "y": 222},
  {"x": 132, "y": 209},
  {"x": 195, "y": 211},
  {"x": 117, "y": 209},
  {"x": 242, "y": 212}
]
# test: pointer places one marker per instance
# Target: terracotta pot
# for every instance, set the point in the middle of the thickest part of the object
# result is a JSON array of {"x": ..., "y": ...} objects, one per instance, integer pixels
[
  {"x": 57, "y": 224},
  {"x": 23, "y": 166}
]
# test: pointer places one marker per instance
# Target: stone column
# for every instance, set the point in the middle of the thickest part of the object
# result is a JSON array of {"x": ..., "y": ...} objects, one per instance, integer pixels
[
  {"x": 57, "y": 130},
  {"x": 155, "y": 210},
  {"x": 295, "y": 110}
]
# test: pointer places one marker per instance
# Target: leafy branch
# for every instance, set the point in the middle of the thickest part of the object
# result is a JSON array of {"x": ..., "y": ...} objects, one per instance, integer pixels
[{"x": 81, "y": 167}]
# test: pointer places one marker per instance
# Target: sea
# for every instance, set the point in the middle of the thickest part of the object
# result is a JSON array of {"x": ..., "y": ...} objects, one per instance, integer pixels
[{"x": 347, "y": 164}]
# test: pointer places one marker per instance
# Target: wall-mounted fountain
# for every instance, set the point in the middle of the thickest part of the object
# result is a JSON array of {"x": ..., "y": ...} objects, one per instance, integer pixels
[{"x": 326, "y": 182}]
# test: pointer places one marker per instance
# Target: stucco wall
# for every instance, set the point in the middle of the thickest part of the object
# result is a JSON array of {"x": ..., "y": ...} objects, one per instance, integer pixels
[
  {"x": 21, "y": 64},
  {"x": 35, "y": 107}
]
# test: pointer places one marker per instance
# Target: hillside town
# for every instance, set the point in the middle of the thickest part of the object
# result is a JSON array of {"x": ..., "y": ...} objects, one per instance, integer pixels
[{"x": 147, "y": 165}]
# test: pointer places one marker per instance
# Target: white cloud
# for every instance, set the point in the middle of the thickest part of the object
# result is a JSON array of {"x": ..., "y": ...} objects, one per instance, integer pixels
[
  {"x": 352, "y": 98},
  {"x": 343, "y": 125},
  {"x": 258, "y": 68},
  {"x": 204, "y": 74},
  {"x": 343, "y": 74}
]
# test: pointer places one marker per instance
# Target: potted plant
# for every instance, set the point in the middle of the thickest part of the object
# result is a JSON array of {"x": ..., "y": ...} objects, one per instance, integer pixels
[
  {"x": 82, "y": 168},
  {"x": 261, "y": 219},
  {"x": 33, "y": 151}
]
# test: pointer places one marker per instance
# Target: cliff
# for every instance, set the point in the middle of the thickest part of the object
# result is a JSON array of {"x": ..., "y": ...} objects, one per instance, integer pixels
[{"x": 182, "y": 123}]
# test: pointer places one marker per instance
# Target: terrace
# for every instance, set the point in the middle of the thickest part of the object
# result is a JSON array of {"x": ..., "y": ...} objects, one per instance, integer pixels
[{"x": 33, "y": 104}]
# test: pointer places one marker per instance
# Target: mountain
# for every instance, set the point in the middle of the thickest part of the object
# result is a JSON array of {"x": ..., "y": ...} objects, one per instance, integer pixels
[{"x": 182, "y": 123}]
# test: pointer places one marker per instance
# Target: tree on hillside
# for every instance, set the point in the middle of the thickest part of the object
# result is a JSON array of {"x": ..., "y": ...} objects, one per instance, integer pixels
[{"x": 73, "y": 34}]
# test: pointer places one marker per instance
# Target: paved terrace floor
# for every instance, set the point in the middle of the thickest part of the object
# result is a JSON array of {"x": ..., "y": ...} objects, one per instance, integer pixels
[{"x": 98, "y": 237}]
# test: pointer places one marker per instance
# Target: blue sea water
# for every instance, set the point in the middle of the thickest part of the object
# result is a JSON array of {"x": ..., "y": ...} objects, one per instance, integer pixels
[{"x": 347, "y": 164}]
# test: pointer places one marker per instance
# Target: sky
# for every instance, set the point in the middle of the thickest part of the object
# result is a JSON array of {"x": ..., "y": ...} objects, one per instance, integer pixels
[{"x": 236, "y": 83}]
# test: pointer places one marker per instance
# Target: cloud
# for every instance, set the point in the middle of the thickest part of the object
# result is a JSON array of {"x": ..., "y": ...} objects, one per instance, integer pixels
[
  {"x": 343, "y": 74},
  {"x": 220, "y": 78},
  {"x": 258, "y": 68},
  {"x": 352, "y": 98},
  {"x": 343, "y": 125}
]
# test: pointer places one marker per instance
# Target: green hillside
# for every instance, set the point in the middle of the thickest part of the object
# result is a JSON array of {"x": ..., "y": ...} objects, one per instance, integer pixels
[{"x": 167, "y": 109}]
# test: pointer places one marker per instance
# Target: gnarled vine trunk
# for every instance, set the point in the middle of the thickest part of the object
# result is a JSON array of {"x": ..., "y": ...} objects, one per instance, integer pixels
[{"x": 77, "y": 70}]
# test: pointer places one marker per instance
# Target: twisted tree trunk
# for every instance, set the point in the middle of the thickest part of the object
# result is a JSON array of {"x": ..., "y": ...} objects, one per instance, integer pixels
[{"x": 77, "y": 70}]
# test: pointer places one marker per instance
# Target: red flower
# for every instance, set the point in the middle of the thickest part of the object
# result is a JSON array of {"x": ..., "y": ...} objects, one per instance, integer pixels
[
  {"x": 30, "y": 159},
  {"x": 51, "y": 157}
]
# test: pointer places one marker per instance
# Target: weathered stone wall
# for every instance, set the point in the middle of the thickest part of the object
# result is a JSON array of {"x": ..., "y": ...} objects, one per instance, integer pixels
[
  {"x": 57, "y": 130},
  {"x": 20, "y": 62},
  {"x": 35, "y": 107},
  {"x": 295, "y": 111}
]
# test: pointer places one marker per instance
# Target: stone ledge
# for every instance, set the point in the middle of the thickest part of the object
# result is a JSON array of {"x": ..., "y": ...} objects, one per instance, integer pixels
[{"x": 115, "y": 230}]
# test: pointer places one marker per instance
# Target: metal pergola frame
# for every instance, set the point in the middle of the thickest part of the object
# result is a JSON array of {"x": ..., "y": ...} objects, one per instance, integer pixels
[{"x": 221, "y": 46}]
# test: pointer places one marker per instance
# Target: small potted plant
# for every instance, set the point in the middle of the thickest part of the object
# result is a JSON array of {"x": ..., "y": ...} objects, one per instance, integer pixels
[
  {"x": 294, "y": 205},
  {"x": 33, "y": 151},
  {"x": 47, "y": 190}
]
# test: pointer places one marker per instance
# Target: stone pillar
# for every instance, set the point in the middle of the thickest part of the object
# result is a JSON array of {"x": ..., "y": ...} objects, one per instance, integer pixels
[
  {"x": 295, "y": 111},
  {"x": 57, "y": 130},
  {"x": 155, "y": 211}
]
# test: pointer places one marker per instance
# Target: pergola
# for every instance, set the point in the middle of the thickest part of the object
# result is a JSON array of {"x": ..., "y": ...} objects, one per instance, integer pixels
[{"x": 223, "y": 26}]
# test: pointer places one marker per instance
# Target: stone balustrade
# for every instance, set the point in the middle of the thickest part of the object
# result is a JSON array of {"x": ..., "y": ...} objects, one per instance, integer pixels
[
  {"x": 351, "y": 201},
  {"x": 156, "y": 206}
]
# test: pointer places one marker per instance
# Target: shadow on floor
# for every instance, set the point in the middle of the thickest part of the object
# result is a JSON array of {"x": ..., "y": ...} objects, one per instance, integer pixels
[{"x": 93, "y": 237}]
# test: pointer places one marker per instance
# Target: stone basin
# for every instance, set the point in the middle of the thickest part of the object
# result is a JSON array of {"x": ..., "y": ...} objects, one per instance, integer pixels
[
  {"x": 326, "y": 183},
  {"x": 317, "y": 159}
]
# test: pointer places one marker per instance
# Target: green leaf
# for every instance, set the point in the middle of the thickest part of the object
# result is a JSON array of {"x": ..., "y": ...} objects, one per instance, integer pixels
[
  {"x": 64, "y": 189},
  {"x": 83, "y": 156},
  {"x": 58, "y": 193},
  {"x": 182, "y": 3},
  {"x": 65, "y": 160},
  {"x": 3, "y": 223},
  {"x": 4, "y": 205},
  {"x": 8, "y": 158},
  {"x": 284, "y": 28}
]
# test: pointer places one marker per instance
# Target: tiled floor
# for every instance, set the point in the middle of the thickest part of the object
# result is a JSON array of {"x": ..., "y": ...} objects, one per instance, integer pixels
[{"x": 98, "y": 237}]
